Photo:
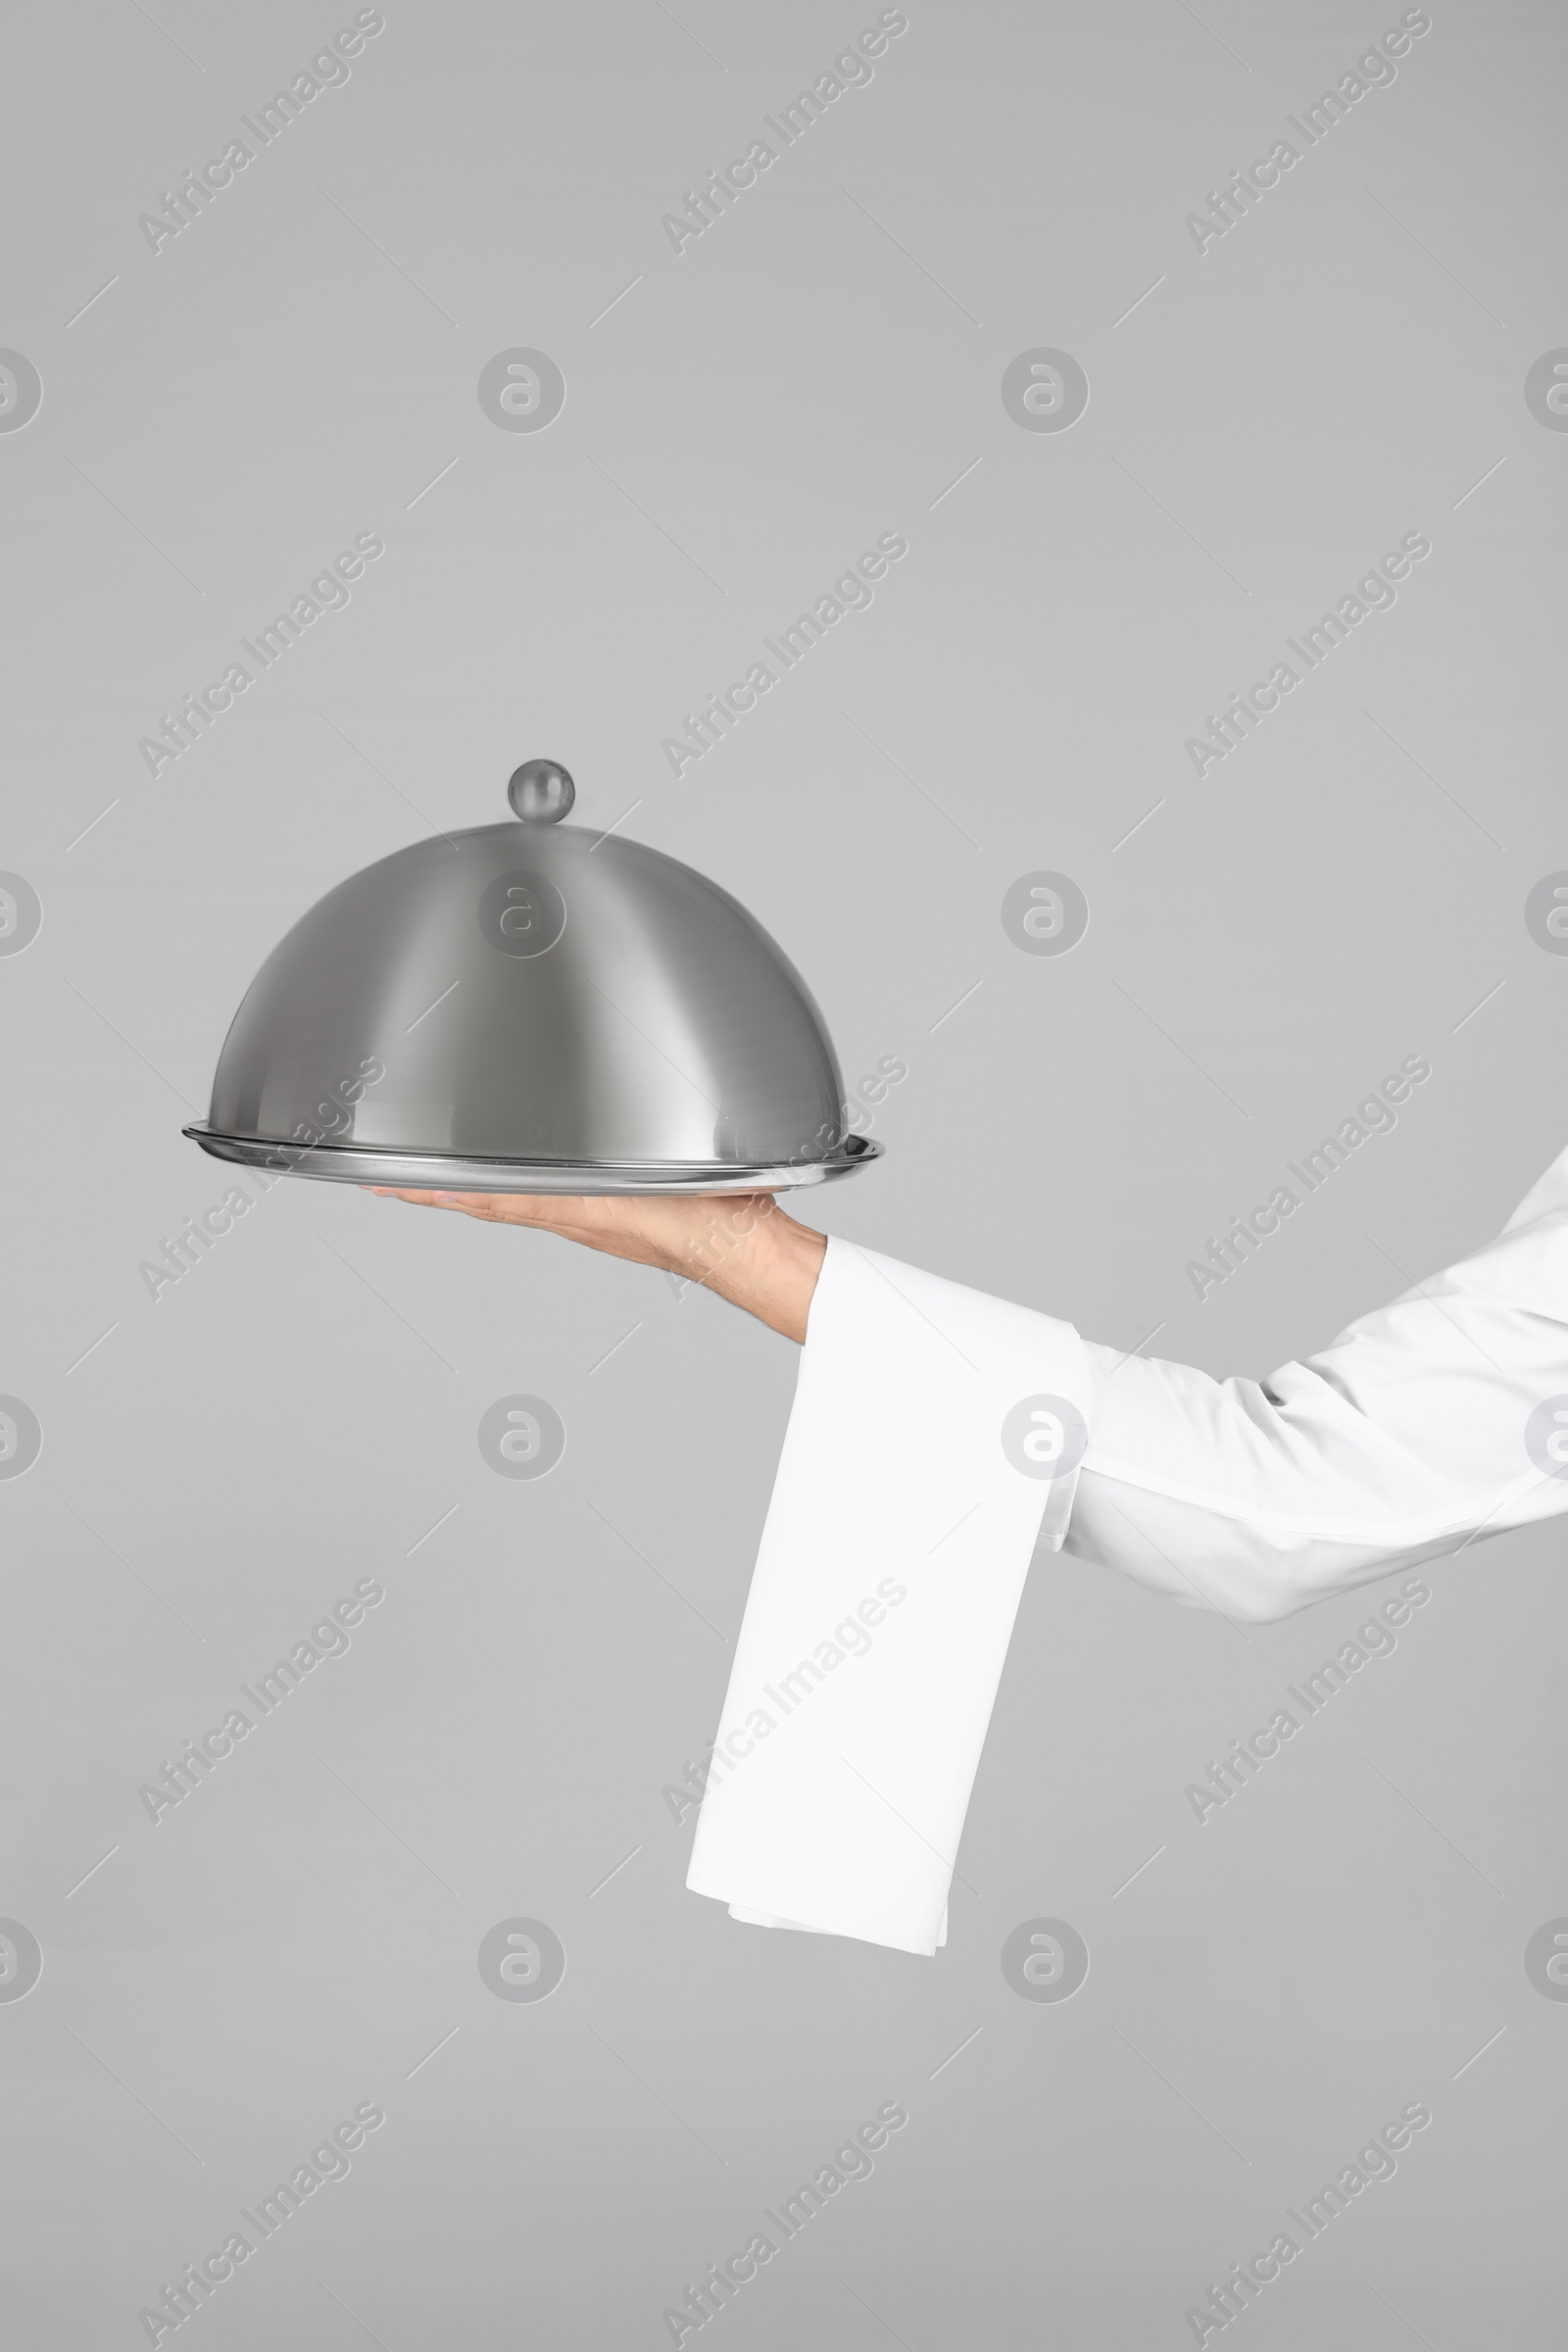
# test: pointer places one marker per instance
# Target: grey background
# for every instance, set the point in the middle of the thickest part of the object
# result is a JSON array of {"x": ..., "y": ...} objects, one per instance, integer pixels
[{"x": 222, "y": 1465}]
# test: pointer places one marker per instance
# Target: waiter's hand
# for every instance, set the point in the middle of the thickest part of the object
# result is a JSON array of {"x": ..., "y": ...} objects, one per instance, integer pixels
[{"x": 741, "y": 1245}]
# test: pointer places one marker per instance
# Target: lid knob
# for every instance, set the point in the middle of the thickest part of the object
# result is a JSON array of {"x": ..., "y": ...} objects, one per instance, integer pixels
[{"x": 541, "y": 791}]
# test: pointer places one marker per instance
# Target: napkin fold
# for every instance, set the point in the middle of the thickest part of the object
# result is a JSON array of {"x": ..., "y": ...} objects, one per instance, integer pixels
[{"x": 934, "y": 1441}]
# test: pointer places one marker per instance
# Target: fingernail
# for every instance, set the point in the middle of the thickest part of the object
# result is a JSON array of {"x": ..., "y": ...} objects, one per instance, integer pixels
[{"x": 455, "y": 1197}]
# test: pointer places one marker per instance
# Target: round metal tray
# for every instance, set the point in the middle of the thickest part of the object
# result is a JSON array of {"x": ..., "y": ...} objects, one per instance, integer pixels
[{"x": 438, "y": 1171}]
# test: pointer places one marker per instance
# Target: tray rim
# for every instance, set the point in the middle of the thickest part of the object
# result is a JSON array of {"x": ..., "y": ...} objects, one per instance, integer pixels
[{"x": 459, "y": 1172}]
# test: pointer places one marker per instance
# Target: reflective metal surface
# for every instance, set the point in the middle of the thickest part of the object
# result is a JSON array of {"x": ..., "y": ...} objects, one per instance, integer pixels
[
  {"x": 530, "y": 1007},
  {"x": 429, "y": 1172}
]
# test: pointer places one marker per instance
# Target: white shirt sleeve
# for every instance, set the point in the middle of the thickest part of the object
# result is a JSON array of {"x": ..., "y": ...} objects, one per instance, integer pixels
[
  {"x": 1427, "y": 1425},
  {"x": 938, "y": 1434}
]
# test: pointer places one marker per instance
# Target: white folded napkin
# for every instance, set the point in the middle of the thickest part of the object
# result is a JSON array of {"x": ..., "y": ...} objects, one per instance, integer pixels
[{"x": 934, "y": 1440}]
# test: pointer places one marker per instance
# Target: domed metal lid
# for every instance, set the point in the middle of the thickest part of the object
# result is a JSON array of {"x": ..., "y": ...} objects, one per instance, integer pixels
[{"x": 532, "y": 1007}]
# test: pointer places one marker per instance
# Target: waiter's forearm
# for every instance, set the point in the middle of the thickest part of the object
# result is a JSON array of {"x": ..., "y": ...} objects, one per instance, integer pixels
[{"x": 762, "y": 1261}]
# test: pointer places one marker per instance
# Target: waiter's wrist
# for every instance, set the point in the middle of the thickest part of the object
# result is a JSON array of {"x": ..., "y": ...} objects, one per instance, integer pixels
[{"x": 765, "y": 1261}]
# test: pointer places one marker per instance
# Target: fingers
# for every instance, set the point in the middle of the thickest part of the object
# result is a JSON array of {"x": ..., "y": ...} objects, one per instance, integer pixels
[
  {"x": 464, "y": 1201},
  {"x": 553, "y": 1213}
]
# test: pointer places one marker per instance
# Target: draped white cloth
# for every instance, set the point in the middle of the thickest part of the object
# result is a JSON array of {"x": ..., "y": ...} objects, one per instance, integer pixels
[
  {"x": 889, "y": 1576},
  {"x": 908, "y": 1504}
]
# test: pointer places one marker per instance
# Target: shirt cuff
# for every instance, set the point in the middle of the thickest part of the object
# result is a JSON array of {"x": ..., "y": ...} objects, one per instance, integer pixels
[{"x": 934, "y": 1441}]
